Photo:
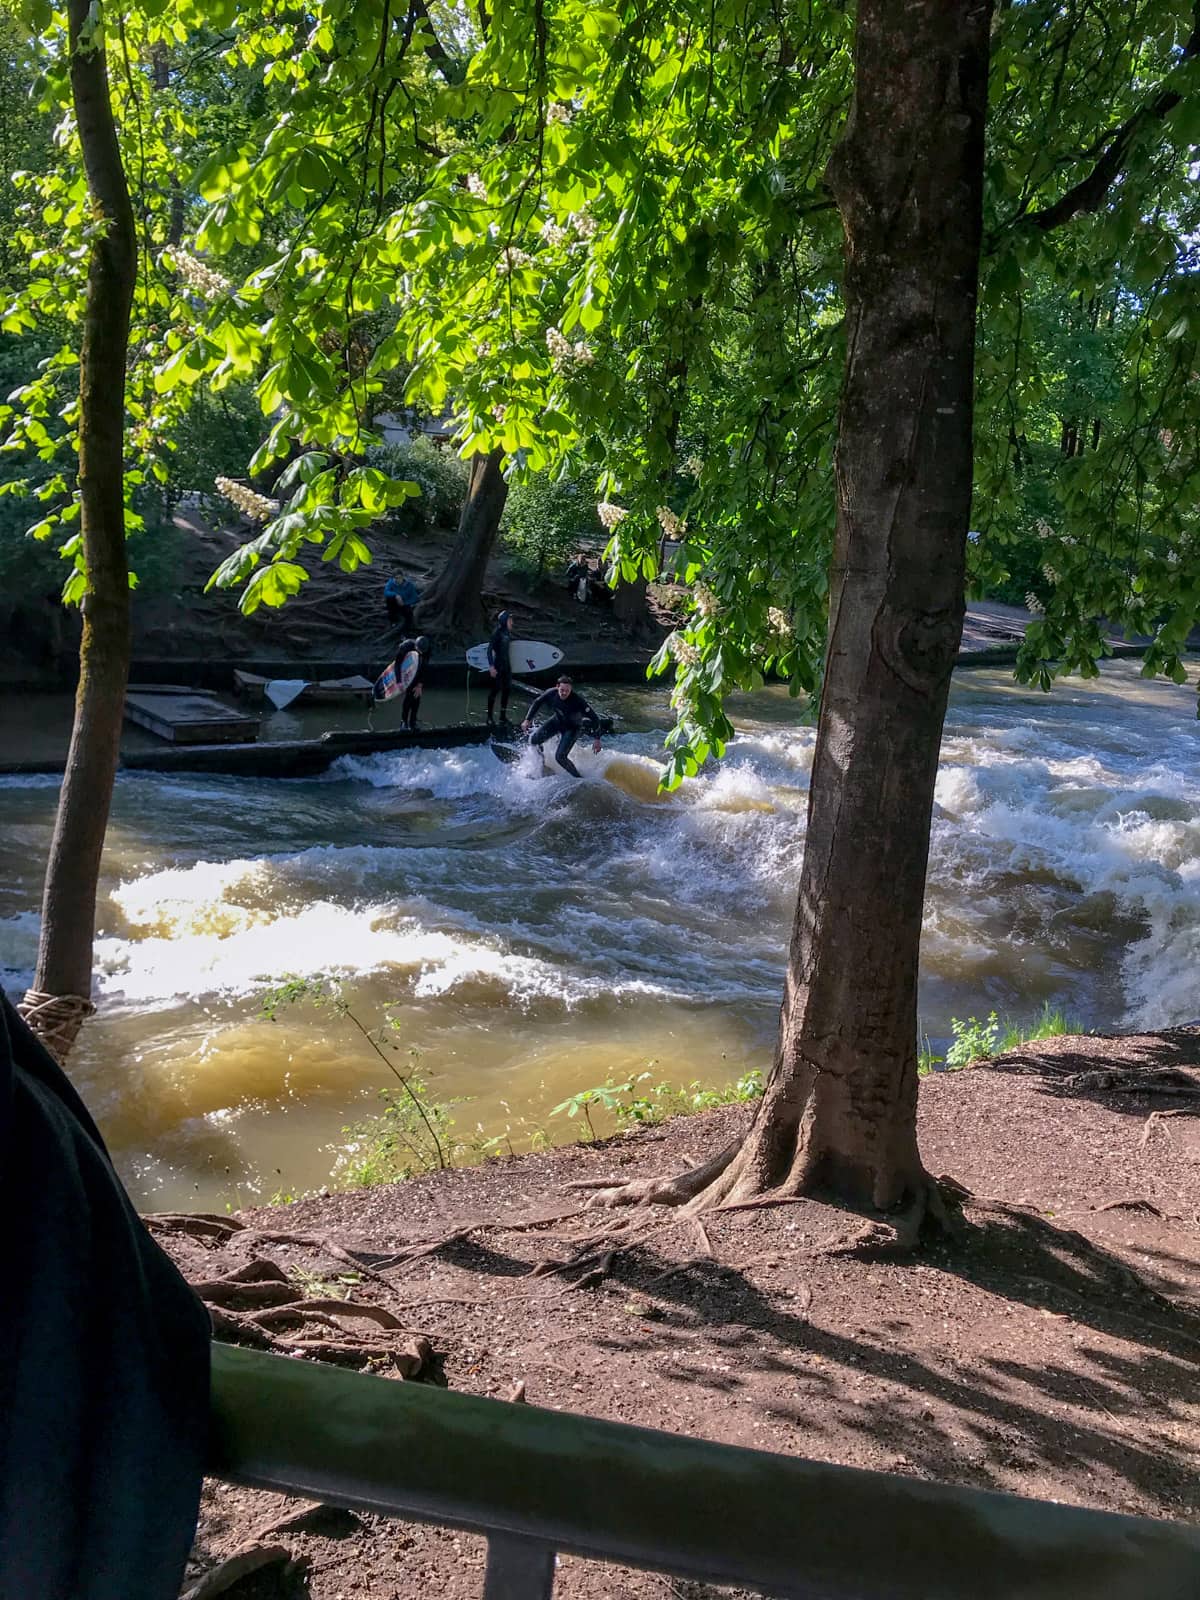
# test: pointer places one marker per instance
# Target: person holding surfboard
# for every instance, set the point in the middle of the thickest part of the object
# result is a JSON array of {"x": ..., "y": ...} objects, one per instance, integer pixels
[
  {"x": 412, "y": 658},
  {"x": 499, "y": 656},
  {"x": 570, "y": 715}
]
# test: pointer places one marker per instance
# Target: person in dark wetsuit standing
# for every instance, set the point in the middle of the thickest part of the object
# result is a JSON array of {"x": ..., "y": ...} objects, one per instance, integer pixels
[
  {"x": 412, "y": 695},
  {"x": 570, "y": 715},
  {"x": 499, "y": 654}
]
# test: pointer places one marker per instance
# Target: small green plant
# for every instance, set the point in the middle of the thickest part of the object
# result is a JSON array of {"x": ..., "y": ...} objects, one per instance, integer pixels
[
  {"x": 972, "y": 1040},
  {"x": 411, "y": 1134},
  {"x": 641, "y": 1102},
  {"x": 927, "y": 1060},
  {"x": 979, "y": 1041},
  {"x": 609, "y": 1096},
  {"x": 1052, "y": 1024},
  {"x": 314, "y": 1287}
]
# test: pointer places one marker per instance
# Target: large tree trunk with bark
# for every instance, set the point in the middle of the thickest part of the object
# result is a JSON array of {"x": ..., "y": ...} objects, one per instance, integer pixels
[
  {"x": 453, "y": 602},
  {"x": 839, "y": 1113},
  {"x": 61, "y": 995}
]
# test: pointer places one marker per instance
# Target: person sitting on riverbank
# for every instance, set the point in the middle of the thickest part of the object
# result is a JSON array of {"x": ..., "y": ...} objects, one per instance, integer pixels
[
  {"x": 576, "y": 577},
  {"x": 423, "y": 645},
  {"x": 400, "y": 595},
  {"x": 570, "y": 715},
  {"x": 500, "y": 667}
]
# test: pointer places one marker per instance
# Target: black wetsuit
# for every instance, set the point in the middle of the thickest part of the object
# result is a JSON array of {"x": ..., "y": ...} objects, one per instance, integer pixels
[
  {"x": 568, "y": 718},
  {"x": 500, "y": 657},
  {"x": 412, "y": 700}
]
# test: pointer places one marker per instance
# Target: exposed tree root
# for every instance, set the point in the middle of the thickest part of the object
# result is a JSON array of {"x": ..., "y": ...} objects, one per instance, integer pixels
[
  {"x": 597, "y": 1275},
  {"x": 676, "y": 1191},
  {"x": 1136, "y": 1204},
  {"x": 258, "y": 1305},
  {"x": 935, "y": 1209},
  {"x": 197, "y": 1224},
  {"x": 1154, "y": 1122},
  {"x": 1174, "y": 1081},
  {"x": 248, "y": 1558}
]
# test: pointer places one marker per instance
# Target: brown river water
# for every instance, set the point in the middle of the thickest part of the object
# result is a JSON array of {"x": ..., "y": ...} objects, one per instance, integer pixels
[{"x": 535, "y": 936}]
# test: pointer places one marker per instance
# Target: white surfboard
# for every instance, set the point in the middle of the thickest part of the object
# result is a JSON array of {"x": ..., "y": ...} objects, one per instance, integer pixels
[{"x": 526, "y": 655}]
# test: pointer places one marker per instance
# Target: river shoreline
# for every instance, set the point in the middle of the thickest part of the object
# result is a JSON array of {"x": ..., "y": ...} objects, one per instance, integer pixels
[
  {"x": 1050, "y": 1353},
  {"x": 45, "y": 752}
]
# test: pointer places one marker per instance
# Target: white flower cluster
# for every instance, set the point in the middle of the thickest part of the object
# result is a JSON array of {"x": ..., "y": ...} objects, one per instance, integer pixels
[
  {"x": 477, "y": 187},
  {"x": 1045, "y": 531},
  {"x": 693, "y": 466},
  {"x": 483, "y": 349},
  {"x": 553, "y": 234},
  {"x": 1032, "y": 603},
  {"x": 779, "y": 621},
  {"x": 202, "y": 280},
  {"x": 686, "y": 654},
  {"x": 510, "y": 259},
  {"x": 670, "y": 524},
  {"x": 1051, "y": 574},
  {"x": 706, "y": 601},
  {"x": 248, "y": 500},
  {"x": 611, "y": 516},
  {"x": 564, "y": 354},
  {"x": 558, "y": 113},
  {"x": 499, "y": 412},
  {"x": 584, "y": 223}
]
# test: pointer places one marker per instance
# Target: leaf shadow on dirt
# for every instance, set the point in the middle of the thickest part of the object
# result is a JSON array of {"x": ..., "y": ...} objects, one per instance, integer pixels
[{"x": 988, "y": 1416}]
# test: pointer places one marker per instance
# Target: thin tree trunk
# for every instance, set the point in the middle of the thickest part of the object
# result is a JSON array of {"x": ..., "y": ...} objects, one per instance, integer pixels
[
  {"x": 61, "y": 995},
  {"x": 840, "y": 1110},
  {"x": 453, "y": 602},
  {"x": 839, "y": 1113}
]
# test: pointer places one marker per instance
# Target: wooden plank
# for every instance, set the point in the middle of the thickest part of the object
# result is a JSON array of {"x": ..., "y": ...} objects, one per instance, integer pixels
[{"x": 190, "y": 718}]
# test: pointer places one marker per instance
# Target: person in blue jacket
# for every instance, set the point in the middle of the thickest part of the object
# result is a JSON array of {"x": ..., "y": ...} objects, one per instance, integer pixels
[{"x": 400, "y": 595}]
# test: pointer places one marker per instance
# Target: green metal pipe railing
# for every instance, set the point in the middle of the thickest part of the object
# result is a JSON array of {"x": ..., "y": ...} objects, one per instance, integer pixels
[{"x": 537, "y": 1482}]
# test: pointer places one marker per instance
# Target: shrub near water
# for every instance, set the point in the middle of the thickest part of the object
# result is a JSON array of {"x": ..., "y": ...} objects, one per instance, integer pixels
[
  {"x": 548, "y": 519},
  {"x": 973, "y": 1040}
]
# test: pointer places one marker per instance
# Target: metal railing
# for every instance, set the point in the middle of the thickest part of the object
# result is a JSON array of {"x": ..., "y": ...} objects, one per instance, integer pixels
[{"x": 537, "y": 1482}]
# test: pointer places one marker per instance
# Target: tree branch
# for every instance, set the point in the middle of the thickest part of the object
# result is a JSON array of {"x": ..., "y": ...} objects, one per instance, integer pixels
[{"x": 1089, "y": 193}]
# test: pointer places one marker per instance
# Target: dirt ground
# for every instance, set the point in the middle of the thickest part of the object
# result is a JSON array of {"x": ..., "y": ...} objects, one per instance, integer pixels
[{"x": 1052, "y": 1351}]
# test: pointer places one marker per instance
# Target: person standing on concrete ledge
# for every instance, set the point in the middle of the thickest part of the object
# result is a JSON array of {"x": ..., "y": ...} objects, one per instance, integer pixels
[{"x": 423, "y": 645}]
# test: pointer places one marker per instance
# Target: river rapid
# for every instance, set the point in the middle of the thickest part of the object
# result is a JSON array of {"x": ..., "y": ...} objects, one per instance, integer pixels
[{"x": 535, "y": 936}]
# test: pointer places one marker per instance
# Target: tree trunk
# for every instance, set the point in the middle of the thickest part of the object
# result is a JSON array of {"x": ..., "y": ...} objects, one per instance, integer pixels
[
  {"x": 840, "y": 1110},
  {"x": 453, "y": 602},
  {"x": 839, "y": 1113},
  {"x": 61, "y": 996},
  {"x": 631, "y": 609}
]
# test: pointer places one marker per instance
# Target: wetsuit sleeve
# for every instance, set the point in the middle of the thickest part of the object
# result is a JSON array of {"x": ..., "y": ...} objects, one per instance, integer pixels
[
  {"x": 589, "y": 721},
  {"x": 492, "y": 655},
  {"x": 542, "y": 699}
]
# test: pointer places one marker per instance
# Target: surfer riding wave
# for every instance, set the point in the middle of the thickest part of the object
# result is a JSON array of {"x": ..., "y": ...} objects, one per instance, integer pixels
[{"x": 570, "y": 715}]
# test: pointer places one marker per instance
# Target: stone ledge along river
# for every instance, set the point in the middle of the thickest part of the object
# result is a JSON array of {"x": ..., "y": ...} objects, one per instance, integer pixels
[{"x": 534, "y": 937}]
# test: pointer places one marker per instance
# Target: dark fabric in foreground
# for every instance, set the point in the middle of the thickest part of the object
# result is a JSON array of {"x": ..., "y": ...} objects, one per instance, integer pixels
[{"x": 103, "y": 1359}]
